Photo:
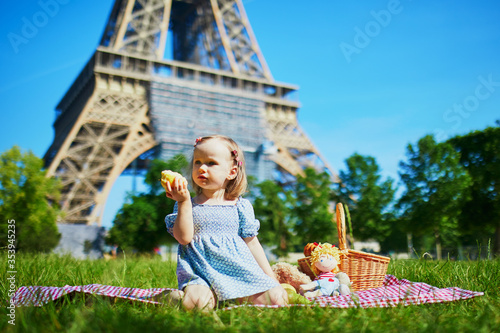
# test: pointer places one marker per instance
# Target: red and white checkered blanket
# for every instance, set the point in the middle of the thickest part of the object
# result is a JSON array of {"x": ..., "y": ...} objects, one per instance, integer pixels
[{"x": 394, "y": 292}]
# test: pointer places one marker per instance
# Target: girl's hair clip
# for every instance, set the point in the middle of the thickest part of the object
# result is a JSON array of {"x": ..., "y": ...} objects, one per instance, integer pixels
[
  {"x": 198, "y": 140},
  {"x": 236, "y": 158}
]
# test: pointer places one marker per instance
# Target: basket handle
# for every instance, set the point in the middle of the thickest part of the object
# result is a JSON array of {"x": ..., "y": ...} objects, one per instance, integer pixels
[{"x": 341, "y": 227}]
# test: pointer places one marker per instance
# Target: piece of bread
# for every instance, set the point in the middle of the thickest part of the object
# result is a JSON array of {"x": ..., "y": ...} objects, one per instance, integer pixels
[{"x": 167, "y": 176}]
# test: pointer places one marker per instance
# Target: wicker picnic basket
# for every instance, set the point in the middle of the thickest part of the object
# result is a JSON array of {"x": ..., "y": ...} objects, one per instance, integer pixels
[{"x": 366, "y": 270}]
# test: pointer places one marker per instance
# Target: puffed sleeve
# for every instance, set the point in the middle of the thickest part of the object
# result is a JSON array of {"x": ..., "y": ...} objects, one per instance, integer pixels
[
  {"x": 170, "y": 220},
  {"x": 249, "y": 226}
]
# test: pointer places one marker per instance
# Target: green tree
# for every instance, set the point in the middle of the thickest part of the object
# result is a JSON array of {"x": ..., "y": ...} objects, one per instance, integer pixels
[
  {"x": 368, "y": 197},
  {"x": 436, "y": 186},
  {"x": 313, "y": 208},
  {"x": 140, "y": 223},
  {"x": 480, "y": 155},
  {"x": 30, "y": 198},
  {"x": 273, "y": 207}
]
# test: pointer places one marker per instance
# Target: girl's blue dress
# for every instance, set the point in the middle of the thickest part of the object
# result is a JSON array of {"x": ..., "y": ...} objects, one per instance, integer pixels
[{"x": 218, "y": 257}]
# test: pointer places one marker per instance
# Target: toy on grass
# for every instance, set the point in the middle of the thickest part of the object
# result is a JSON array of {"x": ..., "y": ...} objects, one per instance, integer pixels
[
  {"x": 325, "y": 260},
  {"x": 289, "y": 274},
  {"x": 290, "y": 279}
]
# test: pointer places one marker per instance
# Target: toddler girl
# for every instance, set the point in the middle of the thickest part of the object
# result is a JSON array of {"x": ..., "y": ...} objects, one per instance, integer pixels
[{"x": 219, "y": 252}]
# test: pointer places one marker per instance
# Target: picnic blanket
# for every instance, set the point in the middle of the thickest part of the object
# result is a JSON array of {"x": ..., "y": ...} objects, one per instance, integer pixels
[{"x": 394, "y": 292}]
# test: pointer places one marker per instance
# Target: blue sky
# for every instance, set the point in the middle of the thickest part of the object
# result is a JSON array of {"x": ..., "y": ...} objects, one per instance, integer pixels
[{"x": 373, "y": 75}]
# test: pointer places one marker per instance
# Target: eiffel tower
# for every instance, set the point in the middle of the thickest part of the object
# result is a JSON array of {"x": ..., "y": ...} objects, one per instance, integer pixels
[{"x": 130, "y": 100}]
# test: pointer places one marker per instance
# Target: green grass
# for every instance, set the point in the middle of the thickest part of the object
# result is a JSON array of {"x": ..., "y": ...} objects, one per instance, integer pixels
[{"x": 90, "y": 314}]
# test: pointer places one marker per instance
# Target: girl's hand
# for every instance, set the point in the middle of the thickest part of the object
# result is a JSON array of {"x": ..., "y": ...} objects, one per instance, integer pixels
[{"x": 178, "y": 190}]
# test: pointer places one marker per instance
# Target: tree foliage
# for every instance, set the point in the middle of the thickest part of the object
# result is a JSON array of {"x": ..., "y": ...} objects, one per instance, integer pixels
[
  {"x": 273, "y": 207},
  {"x": 368, "y": 197},
  {"x": 140, "y": 223},
  {"x": 436, "y": 187},
  {"x": 313, "y": 208},
  {"x": 31, "y": 199},
  {"x": 480, "y": 155}
]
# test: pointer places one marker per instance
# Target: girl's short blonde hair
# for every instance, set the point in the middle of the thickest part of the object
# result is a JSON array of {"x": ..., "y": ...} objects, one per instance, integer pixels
[
  {"x": 237, "y": 186},
  {"x": 325, "y": 249}
]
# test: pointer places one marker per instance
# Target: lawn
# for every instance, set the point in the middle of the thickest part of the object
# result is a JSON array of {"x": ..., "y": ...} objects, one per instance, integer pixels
[{"x": 90, "y": 314}]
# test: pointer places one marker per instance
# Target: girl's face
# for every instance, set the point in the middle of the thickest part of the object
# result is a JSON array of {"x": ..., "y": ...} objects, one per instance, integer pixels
[
  {"x": 213, "y": 165},
  {"x": 326, "y": 263}
]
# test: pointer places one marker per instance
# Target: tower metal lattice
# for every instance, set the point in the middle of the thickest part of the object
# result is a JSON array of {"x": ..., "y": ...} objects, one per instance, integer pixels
[{"x": 130, "y": 98}]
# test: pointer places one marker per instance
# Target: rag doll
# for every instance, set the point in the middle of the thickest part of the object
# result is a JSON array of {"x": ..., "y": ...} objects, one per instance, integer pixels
[{"x": 325, "y": 260}]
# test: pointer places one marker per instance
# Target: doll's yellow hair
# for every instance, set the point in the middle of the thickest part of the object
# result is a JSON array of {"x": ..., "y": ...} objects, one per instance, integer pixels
[{"x": 322, "y": 249}]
